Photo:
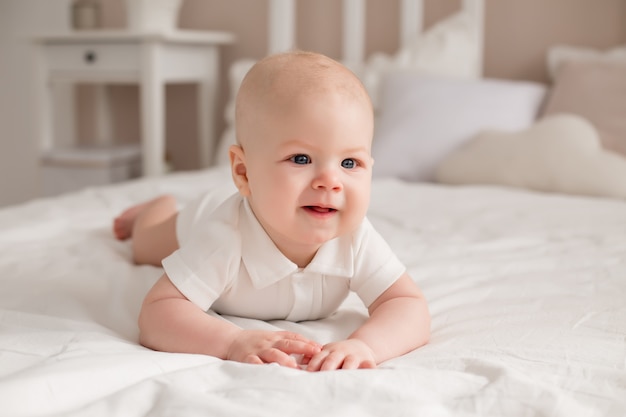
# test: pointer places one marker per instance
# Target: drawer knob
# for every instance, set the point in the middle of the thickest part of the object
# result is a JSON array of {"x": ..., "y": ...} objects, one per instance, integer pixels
[{"x": 90, "y": 57}]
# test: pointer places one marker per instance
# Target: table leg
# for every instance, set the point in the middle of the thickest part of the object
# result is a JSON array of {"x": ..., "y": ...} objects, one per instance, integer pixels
[
  {"x": 44, "y": 105},
  {"x": 102, "y": 117},
  {"x": 152, "y": 111},
  {"x": 207, "y": 95}
]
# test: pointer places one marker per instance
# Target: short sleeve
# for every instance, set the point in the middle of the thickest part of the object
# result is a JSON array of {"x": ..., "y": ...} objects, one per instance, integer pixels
[
  {"x": 376, "y": 265},
  {"x": 208, "y": 260}
]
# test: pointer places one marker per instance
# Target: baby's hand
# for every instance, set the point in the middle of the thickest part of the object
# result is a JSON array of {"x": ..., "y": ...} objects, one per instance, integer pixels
[
  {"x": 263, "y": 346},
  {"x": 347, "y": 354}
]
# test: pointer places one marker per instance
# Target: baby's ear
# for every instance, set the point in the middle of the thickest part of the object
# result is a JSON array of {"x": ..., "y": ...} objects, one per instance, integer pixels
[{"x": 238, "y": 169}]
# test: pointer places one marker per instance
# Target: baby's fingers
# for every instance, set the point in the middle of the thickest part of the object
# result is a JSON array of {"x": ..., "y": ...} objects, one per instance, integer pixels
[
  {"x": 253, "y": 359},
  {"x": 335, "y": 360},
  {"x": 315, "y": 363},
  {"x": 278, "y": 357},
  {"x": 294, "y": 343},
  {"x": 298, "y": 347}
]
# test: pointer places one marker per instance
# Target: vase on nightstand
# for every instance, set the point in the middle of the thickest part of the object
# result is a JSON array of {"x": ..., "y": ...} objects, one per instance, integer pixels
[
  {"x": 152, "y": 15},
  {"x": 85, "y": 14}
]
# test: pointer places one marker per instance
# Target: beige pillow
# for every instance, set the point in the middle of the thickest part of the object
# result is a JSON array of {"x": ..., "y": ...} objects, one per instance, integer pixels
[
  {"x": 595, "y": 90},
  {"x": 558, "y": 54},
  {"x": 560, "y": 153}
]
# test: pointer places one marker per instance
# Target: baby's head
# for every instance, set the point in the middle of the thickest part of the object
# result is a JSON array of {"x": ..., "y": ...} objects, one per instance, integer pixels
[{"x": 304, "y": 126}]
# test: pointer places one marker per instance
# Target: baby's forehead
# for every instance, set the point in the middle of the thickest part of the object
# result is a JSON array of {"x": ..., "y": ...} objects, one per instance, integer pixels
[{"x": 293, "y": 84}]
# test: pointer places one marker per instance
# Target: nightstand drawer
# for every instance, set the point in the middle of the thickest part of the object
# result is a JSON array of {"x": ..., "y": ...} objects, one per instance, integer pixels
[{"x": 97, "y": 57}]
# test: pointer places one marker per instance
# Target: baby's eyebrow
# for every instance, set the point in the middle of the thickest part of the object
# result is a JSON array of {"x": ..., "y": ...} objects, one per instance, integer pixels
[
  {"x": 296, "y": 143},
  {"x": 307, "y": 146},
  {"x": 357, "y": 149}
]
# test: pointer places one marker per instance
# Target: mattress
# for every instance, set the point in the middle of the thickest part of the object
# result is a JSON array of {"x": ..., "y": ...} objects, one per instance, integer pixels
[{"x": 527, "y": 293}]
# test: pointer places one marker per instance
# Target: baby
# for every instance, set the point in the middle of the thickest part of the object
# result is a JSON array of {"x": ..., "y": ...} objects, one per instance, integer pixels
[{"x": 291, "y": 243}]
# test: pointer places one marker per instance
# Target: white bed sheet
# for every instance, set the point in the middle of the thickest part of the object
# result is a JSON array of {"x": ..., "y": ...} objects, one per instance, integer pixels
[{"x": 527, "y": 293}]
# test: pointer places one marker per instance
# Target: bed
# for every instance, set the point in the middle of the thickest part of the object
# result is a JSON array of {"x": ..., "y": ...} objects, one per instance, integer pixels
[{"x": 512, "y": 220}]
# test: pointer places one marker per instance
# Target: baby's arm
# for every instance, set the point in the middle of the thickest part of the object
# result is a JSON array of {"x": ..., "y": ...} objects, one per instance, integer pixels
[
  {"x": 170, "y": 322},
  {"x": 399, "y": 322}
]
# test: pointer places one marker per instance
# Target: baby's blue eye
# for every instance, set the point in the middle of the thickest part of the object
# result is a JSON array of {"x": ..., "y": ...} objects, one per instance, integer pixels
[
  {"x": 300, "y": 159},
  {"x": 348, "y": 163}
]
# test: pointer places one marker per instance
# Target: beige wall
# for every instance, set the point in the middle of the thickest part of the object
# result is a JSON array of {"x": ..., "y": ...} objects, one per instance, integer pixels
[{"x": 518, "y": 33}]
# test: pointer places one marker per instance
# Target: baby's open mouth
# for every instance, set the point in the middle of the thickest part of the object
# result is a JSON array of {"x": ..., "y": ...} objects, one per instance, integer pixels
[{"x": 319, "y": 209}]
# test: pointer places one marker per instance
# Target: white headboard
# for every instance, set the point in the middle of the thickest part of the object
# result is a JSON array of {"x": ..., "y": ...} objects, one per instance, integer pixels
[
  {"x": 282, "y": 37},
  {"x": 282, "y": 25}
]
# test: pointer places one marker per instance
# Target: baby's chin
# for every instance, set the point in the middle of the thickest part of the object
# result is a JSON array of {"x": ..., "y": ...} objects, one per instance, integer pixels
[
  {"x": 320, "y": 238},
  {"x": 314, "y": 238}
]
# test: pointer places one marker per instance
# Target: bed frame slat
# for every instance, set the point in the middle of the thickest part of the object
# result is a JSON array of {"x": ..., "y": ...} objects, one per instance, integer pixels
[
  {"x": 282, "y": 26},
  {"x": 353, "y": 32},
  {"x": 411, "y": 20},
  {"x": 476, "y": 9}
]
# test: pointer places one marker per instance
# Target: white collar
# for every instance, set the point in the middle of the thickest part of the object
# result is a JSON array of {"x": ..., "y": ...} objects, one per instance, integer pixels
[{"x": 267, "y": 265}]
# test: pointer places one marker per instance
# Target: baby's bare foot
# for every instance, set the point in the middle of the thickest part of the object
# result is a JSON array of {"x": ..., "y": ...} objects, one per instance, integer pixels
[{"x": 123, "y": 224}]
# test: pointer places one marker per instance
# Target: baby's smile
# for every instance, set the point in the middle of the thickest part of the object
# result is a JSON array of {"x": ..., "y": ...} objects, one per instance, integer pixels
[{"x": 320, "y": 210}]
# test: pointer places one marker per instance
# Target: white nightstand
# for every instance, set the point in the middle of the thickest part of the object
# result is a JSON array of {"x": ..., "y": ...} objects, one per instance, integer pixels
[{"x": 148, "y": 59}]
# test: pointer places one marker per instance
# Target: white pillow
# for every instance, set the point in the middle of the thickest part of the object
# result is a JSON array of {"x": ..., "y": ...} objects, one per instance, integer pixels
[
  {"x": 422, "y": 119},
  {"x": 560, "y": 153},
  {"x": 449, "y": 48}
]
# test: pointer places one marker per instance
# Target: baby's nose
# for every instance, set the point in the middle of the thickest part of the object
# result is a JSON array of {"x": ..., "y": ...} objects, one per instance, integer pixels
[{"x": 327, "y": 179}]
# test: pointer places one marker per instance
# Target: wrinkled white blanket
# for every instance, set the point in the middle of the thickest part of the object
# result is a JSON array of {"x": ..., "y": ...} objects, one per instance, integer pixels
[{"x": 527, "y": 293}]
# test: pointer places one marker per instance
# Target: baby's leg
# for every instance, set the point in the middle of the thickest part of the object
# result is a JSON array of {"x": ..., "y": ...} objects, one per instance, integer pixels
[{"x": 152, "y": 226}]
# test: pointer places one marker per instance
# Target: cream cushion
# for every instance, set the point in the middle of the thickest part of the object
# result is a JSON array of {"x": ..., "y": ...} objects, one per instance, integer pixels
[{"x": 560, "y": 153}]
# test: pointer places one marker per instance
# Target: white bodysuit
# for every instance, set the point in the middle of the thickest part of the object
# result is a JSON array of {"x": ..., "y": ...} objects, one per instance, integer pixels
[{"x": 227, "y": 263}]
